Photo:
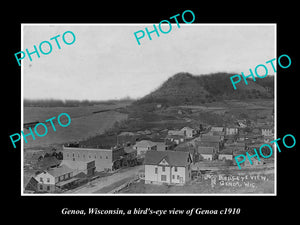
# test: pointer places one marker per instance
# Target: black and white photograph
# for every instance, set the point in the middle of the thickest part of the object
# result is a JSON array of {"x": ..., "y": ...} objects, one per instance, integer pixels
[
  {"x": 142, "y": 113},
  {"x": 144, "y": 109}
]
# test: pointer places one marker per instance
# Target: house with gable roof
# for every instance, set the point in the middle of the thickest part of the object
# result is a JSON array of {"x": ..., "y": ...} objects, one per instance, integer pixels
[
  {"x": 189, "y": 132},
  {"x": 143, "y": 146},
  {"x": 51, "y": 179},
  {"x": 206, "y": 152},
  {"x": 167, "y": 167}
]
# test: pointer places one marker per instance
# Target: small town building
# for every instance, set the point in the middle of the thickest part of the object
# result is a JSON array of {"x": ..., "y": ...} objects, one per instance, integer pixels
[
  {"x": 105, "y": 159},
  {"x": 267, "y": 131},
  {"x": 143, "y": 146},
  {"x": 167, "y": 167},
  {"x": 88, "y": 168},
  {"x": 177, "y": 139},
  {"x": 206, "y": 153},
  {"x": 187, "y": 147},
  {"x": 31, "y": 185},
  {"x": 162, "y": 146},
  {"x": 189, "y": 132},
  {"x": 210, "y": 141},
  {"x": 218, "y": 129},
  {"x": 231, "y": 130},
  {"x": 226, "y": 154},
  {"x": 219, "y": 134},
  {"x": 215, "y": 145},
  {"x": 50, "y": 180}
]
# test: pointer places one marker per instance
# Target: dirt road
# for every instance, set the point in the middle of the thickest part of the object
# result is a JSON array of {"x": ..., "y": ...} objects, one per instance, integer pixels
[{"x": 100, "y": 183}]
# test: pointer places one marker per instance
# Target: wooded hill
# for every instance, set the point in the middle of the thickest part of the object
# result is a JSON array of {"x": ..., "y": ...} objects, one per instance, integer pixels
[{"x": 185, "y": 88}]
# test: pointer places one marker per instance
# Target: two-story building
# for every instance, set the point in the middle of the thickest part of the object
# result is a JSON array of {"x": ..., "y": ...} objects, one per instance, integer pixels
[
  {"x": 49, "y": 180},
  {"x": 143, "y": 146},
  {"x": 188, "y": 132},
  {"x": 167, "y": 167},
  {"x": 105, "y": 159}
]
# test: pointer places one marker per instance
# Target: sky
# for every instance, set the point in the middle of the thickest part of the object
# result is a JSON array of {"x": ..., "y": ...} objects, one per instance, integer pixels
[{"x": 105, "y": 61}]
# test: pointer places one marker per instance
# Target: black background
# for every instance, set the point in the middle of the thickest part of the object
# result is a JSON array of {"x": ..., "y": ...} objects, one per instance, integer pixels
[{"x": 254, "y": 209}]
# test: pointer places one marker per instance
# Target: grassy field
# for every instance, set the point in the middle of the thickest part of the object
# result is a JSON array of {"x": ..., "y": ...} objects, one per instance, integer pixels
[{"x": 84, "y": 123}]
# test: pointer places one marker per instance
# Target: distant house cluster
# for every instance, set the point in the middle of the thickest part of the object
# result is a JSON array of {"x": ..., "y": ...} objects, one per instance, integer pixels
[{"x": 169, "y": 156}]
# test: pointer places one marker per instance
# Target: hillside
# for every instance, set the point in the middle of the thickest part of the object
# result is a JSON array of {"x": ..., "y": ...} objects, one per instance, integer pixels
[{"x": 185, "y": 88}]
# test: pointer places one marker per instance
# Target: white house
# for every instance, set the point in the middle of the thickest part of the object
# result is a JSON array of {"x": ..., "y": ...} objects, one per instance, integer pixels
[
  {"x": 167, "y": 167},
  {"x": 189, "y": 132},
  {"x": 143, "y": 146},
  {"x": 267, "y": 131},
  {"x": 217, "y": 129},
  {"x": 228, "y": 155},
  {"x": 206, "y": 153},
  {"x": 231, "y": 130}
]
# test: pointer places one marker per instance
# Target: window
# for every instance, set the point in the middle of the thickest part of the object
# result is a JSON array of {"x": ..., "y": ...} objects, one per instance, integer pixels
[
  {"x": 41, "y": 187},
  {"x": 100, "y": 157},
  {"x": 73, "y": 155},
  {"x": 48, "y": 188},
  {"x": 106, "y": 157},
  {"x": 78, "y": 155},
  {"x": 95, "y": 156},
  {"x": 163, "y": 168},
  {"x": 178, "y": 177},
  {"x": 175, "y": 168},
  {"x": 68, "y": 155},
  {"x": 163, "y": 178},
  {"x": 156, "y": 170},
  {"x": 173, "y": 176},
  {"x": 83, "y": 156},
  {"x": 48, "y": 180},
  {"x": 41, "y": 179}
]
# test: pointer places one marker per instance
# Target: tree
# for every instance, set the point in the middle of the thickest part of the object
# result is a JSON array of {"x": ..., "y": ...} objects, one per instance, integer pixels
[{"x": 59, "y": 156}]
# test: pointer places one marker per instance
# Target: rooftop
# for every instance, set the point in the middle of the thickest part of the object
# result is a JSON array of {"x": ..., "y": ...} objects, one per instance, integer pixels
[
  {"x": 174, "y": 158},
  {"x": 76, "y": 165},
  {"x": 205, "y": 150},
  {"x": 212, "y": 138},
  {"x": 145, "y": 143},
  {"x": 187, "y": 128},
  {"x": 217, "y": 129},
  {"x": 58, "y": 171},
  {"x": 86, "y": 149}
]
